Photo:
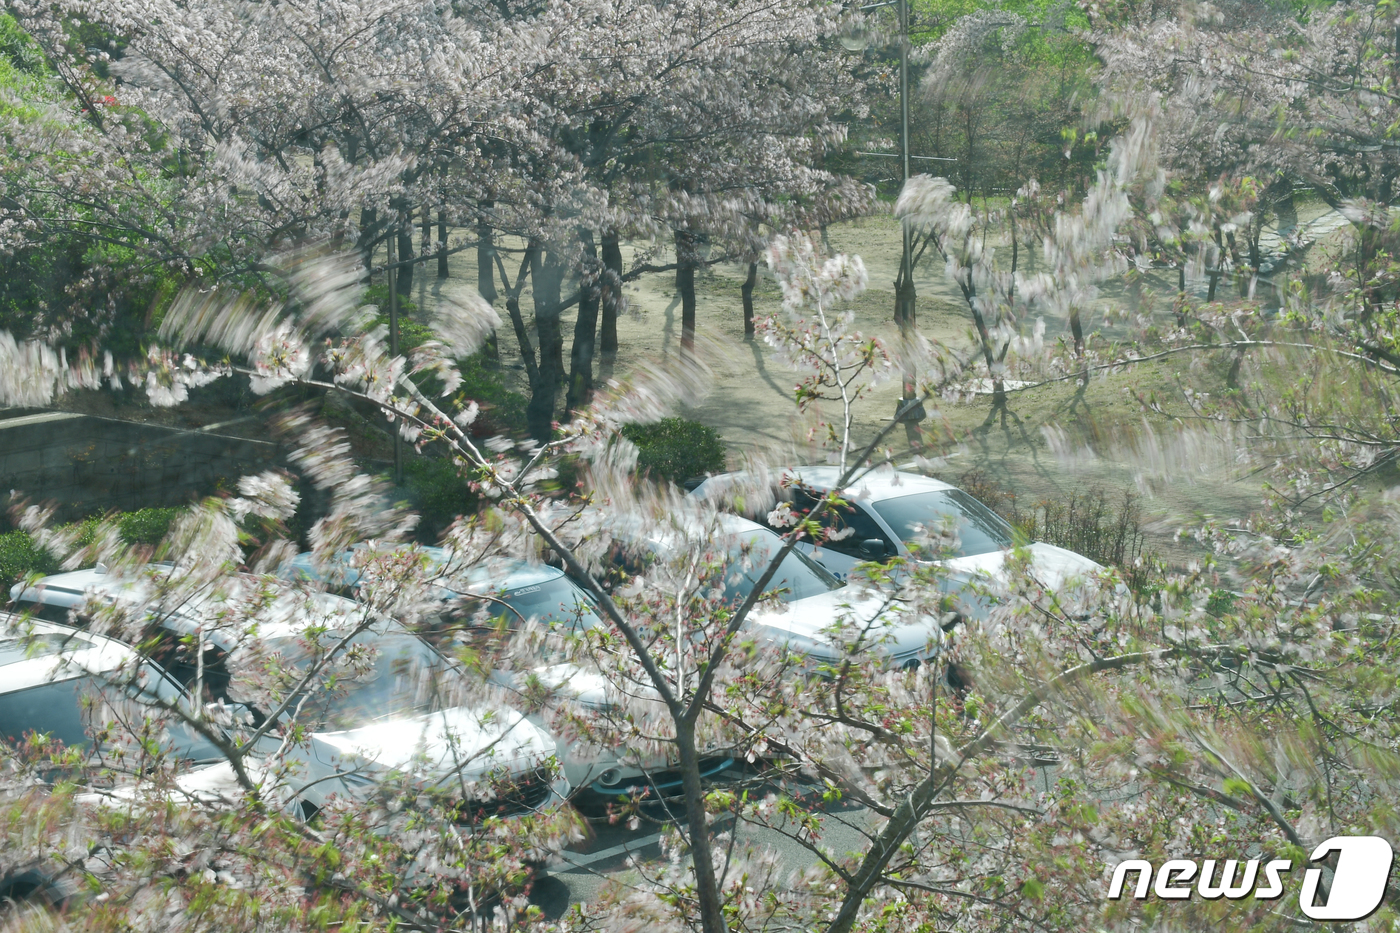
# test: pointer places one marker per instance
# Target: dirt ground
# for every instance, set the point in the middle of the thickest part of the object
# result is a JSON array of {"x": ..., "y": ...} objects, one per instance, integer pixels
[
  {"x": 1102, "y": 435},
  {"x": 1101, "y": 427}
]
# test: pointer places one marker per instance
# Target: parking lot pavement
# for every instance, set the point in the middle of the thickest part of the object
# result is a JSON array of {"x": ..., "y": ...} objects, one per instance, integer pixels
[{"x": 579, "y": 874}]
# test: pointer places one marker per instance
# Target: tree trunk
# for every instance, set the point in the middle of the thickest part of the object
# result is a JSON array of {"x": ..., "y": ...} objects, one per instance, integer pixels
[
  {"x": 1015, "y": 254},
  {"x": 442, "y": 244},
  {"x": 406, "y": 252},
  {"x": 585, "y": 329},
  {"x": 485, "y": 272},
  {"x": 707, "y": 893},
  {"x": 685, "y": 287},
  {"x": 1181, "y": 290},
  {"x": 546, "y": 279},
  {"x": 612, "y": 296},
  {"x": 746, "y": 292},
  {"x": 1219, "y": 263},
  {"x": 1077, "y": 331},
  {"x": 369, "y": 227},
  {"x": 427, "y": 229}
]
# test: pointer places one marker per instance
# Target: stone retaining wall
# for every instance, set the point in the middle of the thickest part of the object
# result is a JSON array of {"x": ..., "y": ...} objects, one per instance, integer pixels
[{"x": 91, "y": 464}]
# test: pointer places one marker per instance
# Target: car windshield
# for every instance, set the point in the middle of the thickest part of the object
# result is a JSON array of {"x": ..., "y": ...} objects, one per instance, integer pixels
[
  {"x": 378, "y": 675},
  {"x": 797, "y": 577},
  {"x": 554, "y": 601},
  {"x": 978, "y": 528},
  {"x": 59, "y": 709}
]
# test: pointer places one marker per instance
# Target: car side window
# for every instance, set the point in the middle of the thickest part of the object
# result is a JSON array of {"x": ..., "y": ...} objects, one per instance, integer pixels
[
  {"x": 849, "y": 516},
  {"x": 52, "y": 708},
  {"x": 44, "y": 611},
  {"x": 185, "y": 668}
]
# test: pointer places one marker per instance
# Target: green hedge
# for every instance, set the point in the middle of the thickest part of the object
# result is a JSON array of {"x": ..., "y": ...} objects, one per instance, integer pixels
[
  {"x": 437, "y": 492},
  {"x": 676, "y": 449},
  {"x": 144, "y": 526},
  {"x": 19, "y": 556}
]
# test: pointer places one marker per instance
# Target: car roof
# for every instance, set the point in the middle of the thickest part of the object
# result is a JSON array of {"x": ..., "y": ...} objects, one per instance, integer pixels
[
  {"x": 71, "y": 588},
  {"x": 291, "y": 614},
  {"x": 497, "y": 574},
  {"x": 875, "y": 485},
  {"x": 34, "y": 652},
  {"x": 667, "y": 537}
]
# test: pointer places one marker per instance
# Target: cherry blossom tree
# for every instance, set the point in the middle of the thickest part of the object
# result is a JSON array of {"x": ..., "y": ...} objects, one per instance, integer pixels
[{"x": 1238, "y": 708}]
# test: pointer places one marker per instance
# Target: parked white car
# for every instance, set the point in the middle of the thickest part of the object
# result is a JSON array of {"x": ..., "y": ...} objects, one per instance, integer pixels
[
  {"x": 512, "y": 591},
  {"x": 397, "y": 708},
  {"x": 888, "y": 511},
  {"x": 47, "y": 672},
  {"x": 811, "y": 600},
  {"x": 61, "y": 683}
]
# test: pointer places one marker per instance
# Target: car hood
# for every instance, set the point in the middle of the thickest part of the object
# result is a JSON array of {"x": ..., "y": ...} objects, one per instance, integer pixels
[
  {"x": 467, "y": 741},
  {"x": 1051, "y": 566},
  {"x": 213, "y": 785},
  {"x": 570, "y": 681},
  {"x": 800, "y": 623}
]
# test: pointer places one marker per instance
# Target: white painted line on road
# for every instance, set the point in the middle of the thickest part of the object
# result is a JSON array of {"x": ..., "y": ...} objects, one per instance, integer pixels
[{"x": 583, "y": 860}]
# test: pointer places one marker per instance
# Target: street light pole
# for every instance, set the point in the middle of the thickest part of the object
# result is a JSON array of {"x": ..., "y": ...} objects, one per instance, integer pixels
[
  {"x": 392, "y": 278},
  {"x": 905, "y": 294}
]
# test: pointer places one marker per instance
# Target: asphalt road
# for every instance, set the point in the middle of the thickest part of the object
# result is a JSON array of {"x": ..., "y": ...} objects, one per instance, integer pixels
[{"x": 581, "y": 873}]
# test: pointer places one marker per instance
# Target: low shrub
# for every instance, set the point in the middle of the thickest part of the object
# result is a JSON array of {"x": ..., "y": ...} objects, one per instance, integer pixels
[
  {"x": 144, "y": 526},
  {"x": 676, "y": 449},
  {"x": 20, "y": 557},
  {"x": 437, "y": 492},
  {"x": 1103, "y": 528},
  {"x": 502, "y": 409}
]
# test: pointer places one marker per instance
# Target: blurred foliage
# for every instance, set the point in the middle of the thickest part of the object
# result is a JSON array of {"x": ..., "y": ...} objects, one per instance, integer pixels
[
  {"x": 17, "y": 51},
  {"x": 1101, "y": 526},
  {"x": 20, "y": 556},
  {"x": 73, "y": 288},
  {"x": 1004, "y": 105},
  {"x": 411, "y": 333},
  {"x": 677, "y": 449},
  {"x": 502, "y": 408},
  {"x": 438, "y": 492}
]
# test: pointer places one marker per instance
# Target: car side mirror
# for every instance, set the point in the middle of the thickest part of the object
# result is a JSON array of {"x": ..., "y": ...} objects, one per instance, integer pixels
[{"x": 874, "y": 547}]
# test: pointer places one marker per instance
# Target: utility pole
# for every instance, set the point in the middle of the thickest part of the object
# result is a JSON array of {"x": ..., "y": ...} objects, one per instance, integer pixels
[
  {"x": 905, "y": 295},
  {"x": 392, "y": 277}
]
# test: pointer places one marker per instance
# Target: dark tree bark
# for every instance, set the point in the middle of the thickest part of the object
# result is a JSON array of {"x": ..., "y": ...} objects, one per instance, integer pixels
[
  {"x": 406, "y": 252},
  {"x": 547, "y": 279},
  {"x": 1219, "y": 264},
  {"x": 685, "y": 287},
  {"x": 585, "y": 329},
  {"x": 485, "y": 272},
  {"x": 746, "y": 293},
  {"x": 522, "y": 336},
  {"x": 369, "y": 227},
  {"x": 427, "y": 229},
  {"x": 442, "y": 244},
  {"x": 1181, "y": 290},
  {"x": 1077, "y": 330},
  {"x": 612, "y": 296}
]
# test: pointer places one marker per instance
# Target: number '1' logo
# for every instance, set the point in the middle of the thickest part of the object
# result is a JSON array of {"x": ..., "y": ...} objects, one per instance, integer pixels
[{"x": 1356, "y": 889}]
